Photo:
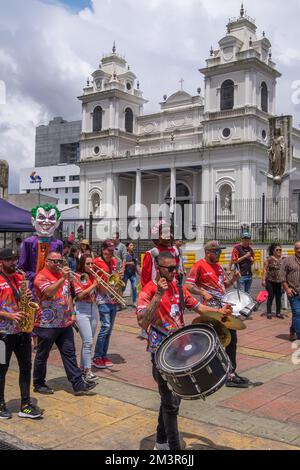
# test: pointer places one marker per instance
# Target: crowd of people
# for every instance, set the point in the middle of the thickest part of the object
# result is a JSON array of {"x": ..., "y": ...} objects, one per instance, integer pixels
[{"x": 74, "y": 288}]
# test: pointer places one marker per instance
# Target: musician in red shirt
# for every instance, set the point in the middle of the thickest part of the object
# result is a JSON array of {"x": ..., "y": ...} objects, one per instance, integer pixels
[
  {"x": 53, "y": 289},
  {"x": 12, "y": 339},
  {"x": 207, "y": 278},
  {"x": 107, "y": 306},
  {"x": 160, "y": 312}
]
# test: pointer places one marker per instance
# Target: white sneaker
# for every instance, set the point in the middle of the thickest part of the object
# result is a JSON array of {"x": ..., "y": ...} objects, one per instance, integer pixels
[{"x": 164, "y": 446}]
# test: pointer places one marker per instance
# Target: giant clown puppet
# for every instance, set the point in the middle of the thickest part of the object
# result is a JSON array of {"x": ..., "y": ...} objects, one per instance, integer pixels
[{"x": 34, "y": 250}]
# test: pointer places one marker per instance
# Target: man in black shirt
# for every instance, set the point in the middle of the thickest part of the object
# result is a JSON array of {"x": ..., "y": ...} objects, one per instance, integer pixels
[{"x": 243, "y": 257}]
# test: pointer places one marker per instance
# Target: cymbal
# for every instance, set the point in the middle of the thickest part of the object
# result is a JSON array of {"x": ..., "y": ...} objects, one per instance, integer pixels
[
  {"x": 221, "y": 330},
  {"x": 231, "y": 322}
]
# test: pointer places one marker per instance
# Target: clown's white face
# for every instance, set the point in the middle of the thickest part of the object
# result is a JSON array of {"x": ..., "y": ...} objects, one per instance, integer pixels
[{"x": 45, "y": 222}]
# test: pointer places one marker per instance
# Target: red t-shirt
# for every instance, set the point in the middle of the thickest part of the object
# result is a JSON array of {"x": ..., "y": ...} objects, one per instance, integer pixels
[
  {"x": 8, "y": 303},
  {"x": 109, "y": 269},
  {"x": 149, "y": 270},
  {"x": 210, "y": 277},
  {"x": 55, "y": 311},
  {"x": 79, "y": 288},
  {"x": 169, "y": 315}
]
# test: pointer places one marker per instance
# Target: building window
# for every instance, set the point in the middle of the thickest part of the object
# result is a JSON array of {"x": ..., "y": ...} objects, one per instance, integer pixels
[
  {"x": 97, "y": 119},
  {"x": 226, "y": 132},
  {"x": 27, "y": 191},
  {"x": 264, "y": 134},
  {"x": 66, "y": 190},
  {"x": 75, "y": 190},
  {"x": 74, "y": 178},
  {"x": 59, "y": 179},
  {"x": 66, "y": 201},
  {"x": 264, "y": 97},
  {"x": 227, "y": 95},
  {"x": 129, "y": 120},
  {"x": 75, "y": 201},
  {"x": 70, "y": 153},
  {"x": 56, "y": 191}
]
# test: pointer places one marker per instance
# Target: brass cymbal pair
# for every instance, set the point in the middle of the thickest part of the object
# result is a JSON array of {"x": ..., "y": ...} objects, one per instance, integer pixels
[{"x": 222, "y": 324}]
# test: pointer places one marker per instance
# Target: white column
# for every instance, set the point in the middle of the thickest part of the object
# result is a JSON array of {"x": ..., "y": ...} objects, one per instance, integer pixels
[
  {"x": 195, "y": 195},
  {"x": 173, "y": 192},
  {"x": 111, "y": 114},
  {"x": 160, "y": 189},
  {"x": 109, "y": 189},
  {"x": 138, "y": 193}
]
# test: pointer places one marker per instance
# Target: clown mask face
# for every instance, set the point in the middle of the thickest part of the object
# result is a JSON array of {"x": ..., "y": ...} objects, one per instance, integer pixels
[{"x": 45, "y": 222}]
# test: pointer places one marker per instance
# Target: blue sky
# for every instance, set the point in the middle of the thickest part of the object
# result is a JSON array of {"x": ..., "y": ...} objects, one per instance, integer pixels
[{"x": 76, "y": 5}]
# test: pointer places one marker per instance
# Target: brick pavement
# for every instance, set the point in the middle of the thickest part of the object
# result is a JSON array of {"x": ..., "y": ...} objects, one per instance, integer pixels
[{"x": 123, "y": 412}]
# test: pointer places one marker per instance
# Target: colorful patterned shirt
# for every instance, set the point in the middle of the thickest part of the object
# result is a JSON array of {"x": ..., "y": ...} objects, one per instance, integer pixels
[
  {"x": 55, "y": 312},
  {"x": 8, "y": 304},
  {"x": 169, "y": 316}
]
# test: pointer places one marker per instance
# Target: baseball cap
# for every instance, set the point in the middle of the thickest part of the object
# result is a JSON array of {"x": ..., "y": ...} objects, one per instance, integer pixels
[
  {"x": 213, "y": 245},
  {"x": 108, "y": 245},
  {"x": 7, "y": 253},
  {"x": 246, "y": 235}
]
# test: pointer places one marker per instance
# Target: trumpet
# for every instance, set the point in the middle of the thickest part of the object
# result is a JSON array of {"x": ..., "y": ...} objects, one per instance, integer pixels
[
  {"x": 82, "y": 277},
  {"x": 109, "y": 285}
]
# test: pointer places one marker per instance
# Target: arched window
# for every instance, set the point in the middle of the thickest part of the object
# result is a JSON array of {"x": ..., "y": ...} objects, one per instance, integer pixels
[
  {"x": 227, "y": 95},
  {"x": 97, "y": 119},
  {"x": 128, "y": 120},
  {"x": 181, "y": 191},
  {"x": 264, "y": 97}
]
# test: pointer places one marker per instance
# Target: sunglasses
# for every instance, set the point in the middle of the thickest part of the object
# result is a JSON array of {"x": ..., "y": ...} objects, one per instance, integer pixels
[
  {"x": 216, "y": 252},
  {"x": 55, "y": 261},
  {"x": 278, "y": 249},
  {"x": 170, "y": 269}
]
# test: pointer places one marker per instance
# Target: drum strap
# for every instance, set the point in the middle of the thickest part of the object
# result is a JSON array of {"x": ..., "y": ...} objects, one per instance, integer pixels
[{"x": 181, "y": 295}]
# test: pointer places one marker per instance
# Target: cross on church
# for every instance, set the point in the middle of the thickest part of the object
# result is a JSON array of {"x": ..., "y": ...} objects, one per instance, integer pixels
[{"x": 181, "y": 83}]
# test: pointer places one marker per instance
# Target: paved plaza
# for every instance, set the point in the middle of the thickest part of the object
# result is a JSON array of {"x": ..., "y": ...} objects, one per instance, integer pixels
[{"x": 122, "y": 413}]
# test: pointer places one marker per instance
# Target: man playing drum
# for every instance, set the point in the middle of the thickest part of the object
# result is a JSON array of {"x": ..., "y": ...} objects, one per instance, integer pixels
[
  {"x": 160, "y": 312},
  {"x": 207, "y": 278}
]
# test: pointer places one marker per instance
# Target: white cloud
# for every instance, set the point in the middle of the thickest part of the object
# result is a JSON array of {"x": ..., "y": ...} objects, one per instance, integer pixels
[{"x": 47, "y": 51}]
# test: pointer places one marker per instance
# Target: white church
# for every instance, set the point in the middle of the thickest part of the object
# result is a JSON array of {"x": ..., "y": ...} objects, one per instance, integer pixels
[{"x": 196, "y": 147}]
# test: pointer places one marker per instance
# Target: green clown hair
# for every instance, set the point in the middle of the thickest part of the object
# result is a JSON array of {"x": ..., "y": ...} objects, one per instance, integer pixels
[{"x": 47, "y": 208}]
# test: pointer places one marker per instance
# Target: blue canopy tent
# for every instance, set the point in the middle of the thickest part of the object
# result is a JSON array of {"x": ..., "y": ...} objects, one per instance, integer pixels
[{"x": 14, "y": 219}]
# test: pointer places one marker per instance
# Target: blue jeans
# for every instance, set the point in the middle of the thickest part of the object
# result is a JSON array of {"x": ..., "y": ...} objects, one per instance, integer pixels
[
  {"x": 295, "y": 306},
  {"x": 245, "y": 283},
  {"x": 87, "y": 322},
  {"x": 132, "y": 279},
  {"x": 107, "y": 314}
]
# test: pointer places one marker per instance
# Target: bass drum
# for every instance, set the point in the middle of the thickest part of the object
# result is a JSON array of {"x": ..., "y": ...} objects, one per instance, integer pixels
[
  {"x": 193, "y": 362},
  {"x": 241, "y": 300}
]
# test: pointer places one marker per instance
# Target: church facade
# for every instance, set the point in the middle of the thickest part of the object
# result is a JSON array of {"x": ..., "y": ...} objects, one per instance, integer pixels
[{"x": 196, "y": 147}]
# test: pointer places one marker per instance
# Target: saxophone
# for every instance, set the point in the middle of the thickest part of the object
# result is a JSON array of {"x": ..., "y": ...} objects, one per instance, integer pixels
[{"x": 26, "y": 305}]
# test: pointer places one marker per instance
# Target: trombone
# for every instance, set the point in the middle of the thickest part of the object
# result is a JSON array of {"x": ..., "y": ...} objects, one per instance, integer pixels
[
  {"x": 109, "y": 285},
  {"x": 114, "y": 279}
]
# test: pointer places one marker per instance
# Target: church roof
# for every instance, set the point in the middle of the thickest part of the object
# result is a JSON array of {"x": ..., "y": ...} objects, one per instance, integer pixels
[{"x": 179, "y": 97}]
